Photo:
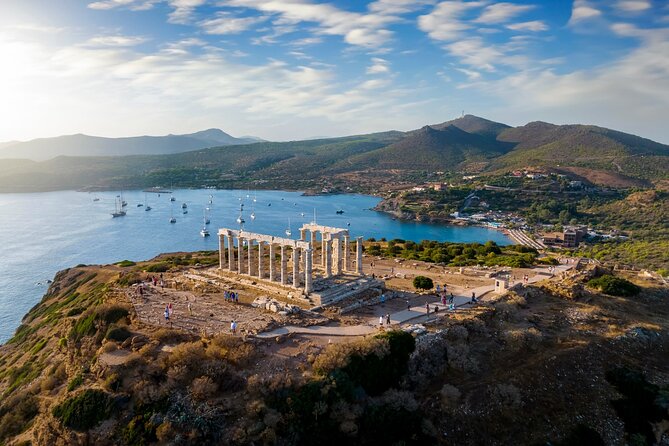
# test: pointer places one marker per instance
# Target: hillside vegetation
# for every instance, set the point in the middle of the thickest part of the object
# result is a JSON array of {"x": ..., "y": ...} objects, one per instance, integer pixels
[
  {"x": 557, "y": 362},
  {"x": 363, "y": 162}
]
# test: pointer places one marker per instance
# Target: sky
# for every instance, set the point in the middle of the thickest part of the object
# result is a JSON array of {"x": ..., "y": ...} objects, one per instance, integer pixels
[{"x": 295, "y": 69}]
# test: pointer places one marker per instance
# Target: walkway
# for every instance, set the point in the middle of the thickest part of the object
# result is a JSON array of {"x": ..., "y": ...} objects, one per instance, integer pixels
[{"x": 409, "y": 314}]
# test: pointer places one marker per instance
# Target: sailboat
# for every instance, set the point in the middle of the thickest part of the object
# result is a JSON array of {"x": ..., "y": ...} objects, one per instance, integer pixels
[
  {"x": 147, "y": 207},
  {"x": 118, "y": 208},
  {"x": 184, "y": 205},
  {"x": 172, "y": 219},
  {"x": 288, "y": 232},
  {"x": 211, "y": 199},
  {"x": 206, "y": 219},
  {"x": 204, "y": 232},
  {"x": 96, "y": 198},
  {"x": 240, "y": 219},
  {"x": 253, "y": 210}
]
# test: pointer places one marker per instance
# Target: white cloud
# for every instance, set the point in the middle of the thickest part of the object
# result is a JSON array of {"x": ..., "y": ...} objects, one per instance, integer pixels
[
  {"x": 471, "y": 74},
  {"x": 534, "y": 25},
  {"x": 135, "y": 5},
  {"x": 474, "y": 52},
  {"x": 633, "y": 5},
  {"x": 378, "y": 66},
  {"x": 444, "y": 22},
  {"x": 117, "y": 41},
  {"x": 502, "y": 12},
  {"x": 397, "y": 6},
  {"x": 373, "y": 84},
  {"x": 630, "y": 94},
  {"x": 183, "y": 10},
  {"x": 367, "y": 30},
  {"x": 583, "y": 10},
  {"x": 226, "y": 23}
]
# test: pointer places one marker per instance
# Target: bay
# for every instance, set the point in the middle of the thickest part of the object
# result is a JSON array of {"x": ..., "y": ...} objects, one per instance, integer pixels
[{"x": 42, "y": 233}]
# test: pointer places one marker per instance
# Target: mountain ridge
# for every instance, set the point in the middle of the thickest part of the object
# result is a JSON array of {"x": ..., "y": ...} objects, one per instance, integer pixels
[{"x": 79, "y": 144}]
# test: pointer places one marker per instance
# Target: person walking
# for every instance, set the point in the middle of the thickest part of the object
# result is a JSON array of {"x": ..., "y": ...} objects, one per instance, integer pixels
[
  {"x": 233, "y": 327},
  {"x": 380, "y": 321},
  {"x": 387, "y": 318},
  {"x": 167, "y": 316},
  {"x": 408, "y": 305},
  {"x": 190, "y": 309},
  {"x": 451, "y": 298},
  {"x": 427, "y": 309},
  {"x": 473, "y": 297}
]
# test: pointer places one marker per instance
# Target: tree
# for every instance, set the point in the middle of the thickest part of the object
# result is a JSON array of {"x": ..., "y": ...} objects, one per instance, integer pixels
[{"x": 422, "y": 283}]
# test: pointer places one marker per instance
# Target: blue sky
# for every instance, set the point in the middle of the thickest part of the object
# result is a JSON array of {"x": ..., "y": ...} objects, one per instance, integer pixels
[{"x": 292, "y": 69}]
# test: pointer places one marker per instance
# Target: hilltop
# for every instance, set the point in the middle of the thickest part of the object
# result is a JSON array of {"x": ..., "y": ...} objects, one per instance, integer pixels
[
  {"x": 464, "y": 146},
  {"x": 84, "y": 145},
  {"x": 556, "y": 361}
]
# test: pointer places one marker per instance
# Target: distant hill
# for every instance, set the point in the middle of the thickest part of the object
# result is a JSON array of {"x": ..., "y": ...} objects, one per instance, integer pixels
[
  {"x": 84, "y": 145},
  {"x": 474, "y": 124},
  {"x": 432, "y": 149},
  {"x": 461, "y": 146}
]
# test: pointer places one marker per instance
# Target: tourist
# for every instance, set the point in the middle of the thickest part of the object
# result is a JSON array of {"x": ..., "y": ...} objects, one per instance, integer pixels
[
  {"x": 167, "y": 316},
  {"x": 436, "y": 309},
  {"x": 408, "y": 305},
  {"x": 233, "y": 327},
  {"x": 473, "y": 297},
  {"x": 383, "y": 299},
  {"x": 451, "y": 298},
  {"x": 190, "y": 309},
  {"x": 381, "y": 321},
  {"x": 387, "y": 318},
  {"x": 427, "y": 309},
  {"x": 169, "y": 308},
  {"x": 451, "y": 307},
  {"x": 438, "y": 288}
]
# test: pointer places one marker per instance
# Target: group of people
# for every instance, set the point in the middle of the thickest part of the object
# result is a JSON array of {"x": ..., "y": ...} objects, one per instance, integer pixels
[
  {"x": 231, "y": 296},
  {"x": 386, "y": 319}
]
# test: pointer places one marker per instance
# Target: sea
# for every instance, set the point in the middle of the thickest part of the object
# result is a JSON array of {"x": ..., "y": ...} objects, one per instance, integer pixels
[{"x": 42, "y": 233}]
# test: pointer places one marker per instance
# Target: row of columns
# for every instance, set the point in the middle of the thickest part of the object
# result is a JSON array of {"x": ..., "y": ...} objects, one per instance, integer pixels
[
  {"x": 237, "y": 262},
  {"x": 335, "y": 253}
]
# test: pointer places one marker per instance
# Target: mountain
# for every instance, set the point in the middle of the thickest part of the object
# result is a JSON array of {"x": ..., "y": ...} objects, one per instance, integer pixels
[
  {"x": 85, "y": 145},
  {"x": 474, "y": 124},
  {"x": 461, "y": 146},
  {"x": 433, "y": 149}
]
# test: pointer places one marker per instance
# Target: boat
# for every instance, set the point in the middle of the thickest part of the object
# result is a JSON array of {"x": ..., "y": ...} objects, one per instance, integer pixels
[
  {"x": 340, "y": 211},
  {"x": 96, "y": 198},
  {"x": 185, "y": 211},
  {"x": 288, "y": 231},
  {"x": 172, "y": 219},
  {"x": 240, "y": 219},
  {"x": 206, "y": 218},
  {"x": 139, "y": 205},
  {"x": 269, "y": 204},
  {"x": 118, "y": 208},
  {"x": 173, "y": 199},
  {"x": 253, "y": 215},
  {"x": 147, "y": 207},
  {"x": 184, "y": 205},
  {"x": 204, "y": 232}
]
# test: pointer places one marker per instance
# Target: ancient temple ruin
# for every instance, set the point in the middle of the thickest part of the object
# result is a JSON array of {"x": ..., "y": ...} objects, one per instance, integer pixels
[{"x": 318, "y": 266}]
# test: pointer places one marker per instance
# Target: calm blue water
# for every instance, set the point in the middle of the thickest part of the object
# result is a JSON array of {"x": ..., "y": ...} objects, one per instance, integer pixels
[{"x": 43, "y": 233}]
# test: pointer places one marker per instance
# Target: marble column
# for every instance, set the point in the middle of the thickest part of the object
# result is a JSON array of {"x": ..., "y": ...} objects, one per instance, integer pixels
[
  {"x": 261, "y": 273},
  {"x": 307, "y": 270},
  {"x": 250, "y": 254},
  {"x": 303, "y": 234},
  {"x": 296, "y": 267},
  {"x": 358, "y": 255},
  {"x": 324, "y": 241},
  {"x": 221, "y": 250},
  {"x": 347, "y": 264},
  {"x": 337, "y": 256},
  {"x": 240, "y": 251},
  {"x": 271, "y": 262},
  {"x": 231, "y": 251},
  {"x": 284, "y": 271},
  {"x": 328, "y": 259}
]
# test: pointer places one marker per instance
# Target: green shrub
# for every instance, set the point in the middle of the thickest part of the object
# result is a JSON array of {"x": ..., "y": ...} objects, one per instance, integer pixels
[
  {"x": 615, "y": 286},
  {"x": 112, "y": 314},
  {"x": 160, "y": 267},
  {"x": 126, "y": 263},
  {"x": 83, "y": 411},
  {"x": 16, "y": 414},
  {"x": 76, "y": 311},
  {"x": 118, "y": 334},
  {"x": 75, "y": 382},
  {"x": 422, "y": 283},
  {"x": 85, "y": 326}
]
